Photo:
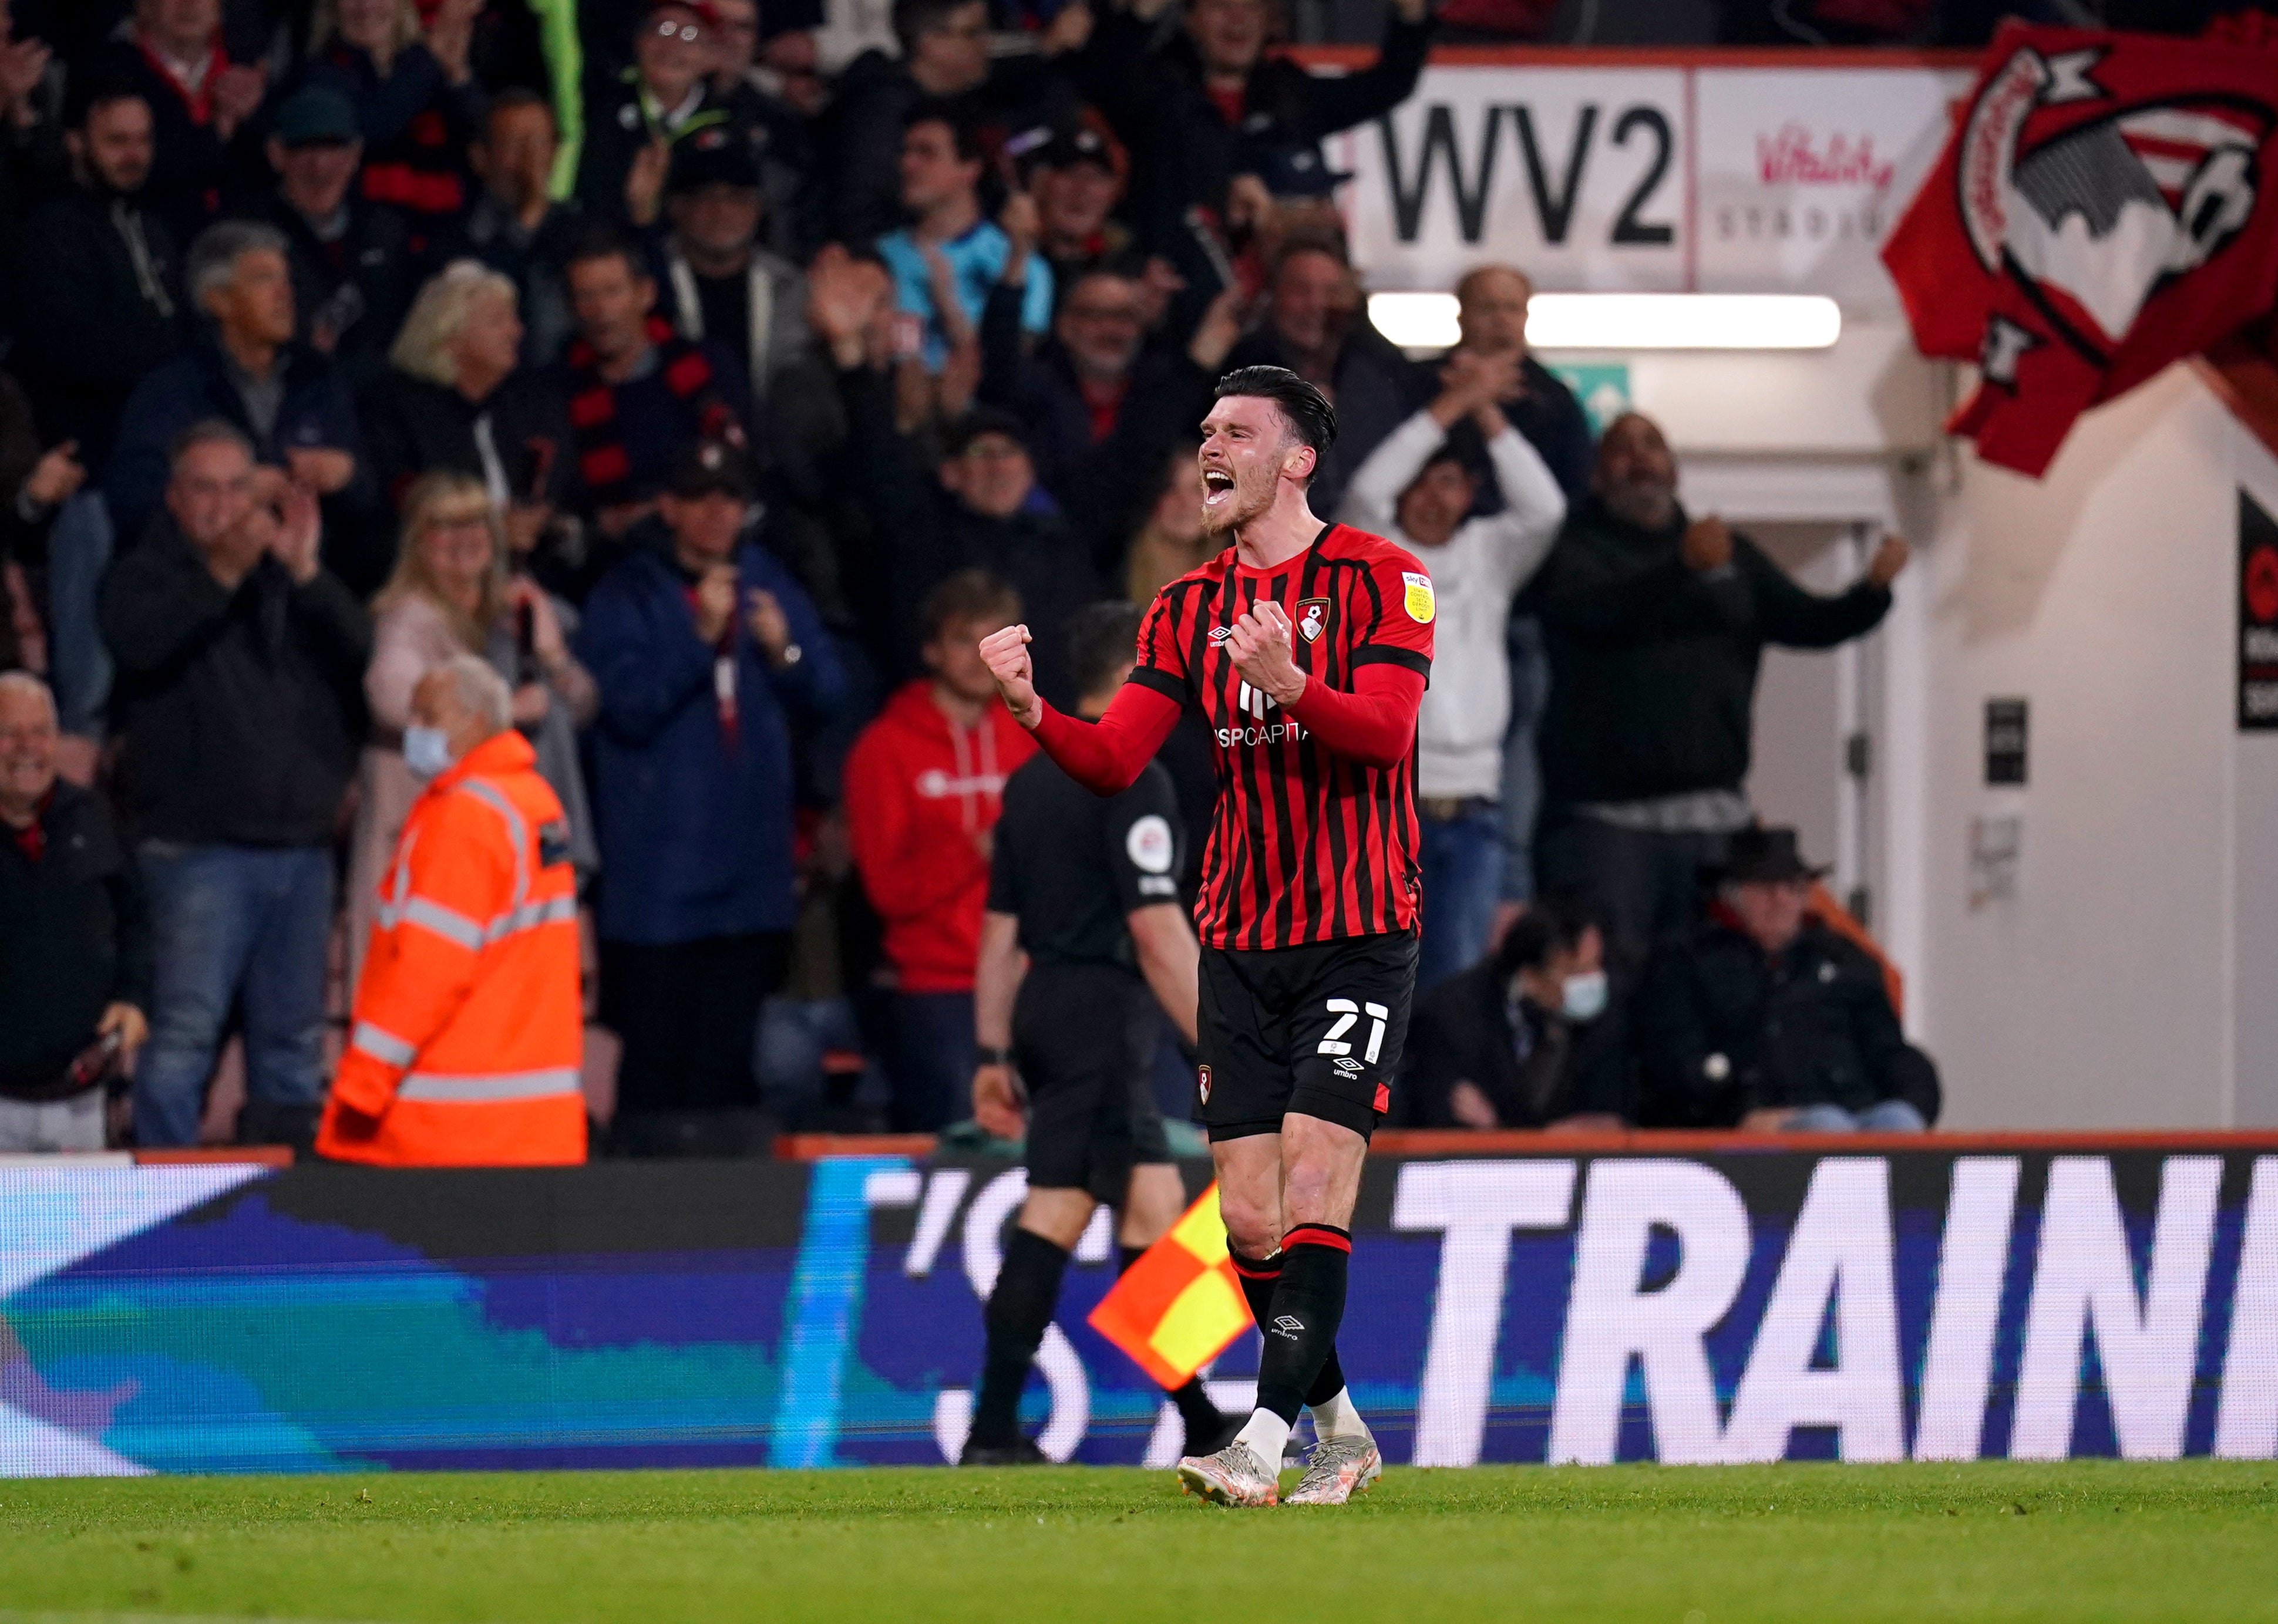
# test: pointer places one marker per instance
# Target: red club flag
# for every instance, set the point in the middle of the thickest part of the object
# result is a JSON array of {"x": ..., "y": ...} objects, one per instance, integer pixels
[
  {"x": 2102, "y": 208},
  {"x": 1178, "y": 1307}
]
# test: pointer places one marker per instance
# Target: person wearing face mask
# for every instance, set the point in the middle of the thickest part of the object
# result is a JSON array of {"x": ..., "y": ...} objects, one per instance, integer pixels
[
  {"x": 466, "y": 1036},
  {"x": 1529, "y": 1038},
  {"x": 1765, "y": 1017}
]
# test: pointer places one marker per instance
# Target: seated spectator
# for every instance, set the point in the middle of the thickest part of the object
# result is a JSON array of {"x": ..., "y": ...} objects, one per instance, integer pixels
[
  {"x": 923, "y": 788},
  {"x": 352, "y": 260},
  {"x": 100, "y": 304},
  {"x": 516, "y": 226},
  {"x": 241, "y": 664},
  {"x": 706, "y": 651},
  {"x": 1656, "y": 624},
  {"x": 1491, "y": 305},
  {"x": 453, "y": 592},
  {"x": 455, "y": 400},
  {"x": 290, "y": 403},
  {"x": 1185, "y": 107},
  {"x": 1417, "y": 490},
  {"x": 941, "y": 189},
  {"x": 172, "y": 54},
  {"x": 640, "y": 396},
  {"x": 1526, "y": 1039},
  {"x": 1763, "y": 1016},
  {"x": 1317, "y": 325},
  {"x": 411, "y": 89},
  {"x": 944, "y": 56},
  {"x": 1077, "y": 177},
  {"x": 74, "y": 940},
  {"x": 467, "y": 1034},
  {"x": 1173, "y": 540},
  {"x": 725, "y": 287},
  {"x": 1102, "y": 409},
  {"x": 632, "y": 120}
]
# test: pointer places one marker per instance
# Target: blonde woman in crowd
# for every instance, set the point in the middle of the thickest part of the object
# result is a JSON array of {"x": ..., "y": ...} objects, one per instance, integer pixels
[{"x": 452, "y": 594}]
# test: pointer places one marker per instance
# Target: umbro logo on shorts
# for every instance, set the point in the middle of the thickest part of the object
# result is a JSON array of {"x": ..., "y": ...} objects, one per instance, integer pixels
[{"x": 1288, "y": 1325}]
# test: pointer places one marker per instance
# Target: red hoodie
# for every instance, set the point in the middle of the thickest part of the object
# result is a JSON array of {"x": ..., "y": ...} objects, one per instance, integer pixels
[{"x": 918, "y": 791}]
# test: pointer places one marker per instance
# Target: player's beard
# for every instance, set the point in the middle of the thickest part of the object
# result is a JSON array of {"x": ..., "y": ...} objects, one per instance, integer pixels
[{"x": 1252, "y": 497}]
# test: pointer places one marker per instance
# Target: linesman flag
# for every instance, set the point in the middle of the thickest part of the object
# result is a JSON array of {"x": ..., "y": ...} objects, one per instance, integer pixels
[{"x": 1180, "y": 1304}]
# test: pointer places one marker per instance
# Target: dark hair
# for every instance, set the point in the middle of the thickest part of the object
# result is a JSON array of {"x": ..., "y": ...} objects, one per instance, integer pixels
[
  {"x": 1305, "y": 409},
  {"x": 1552, "y": 924},
  {"x": 1103, "y": 639},
  {"x": 515, "y": 96},
  {"x": 913, "y": 19},
  {"x": 86, "y": 97},
  {"x": 968, "y": 595},
  {"x": 938, "y": 109},
  {"x": 599, "y": 242}
]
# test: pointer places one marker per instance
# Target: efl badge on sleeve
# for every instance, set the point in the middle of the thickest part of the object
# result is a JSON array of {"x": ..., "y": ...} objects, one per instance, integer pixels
[
  {"x": 1420, "y": 603},
  {"x": 1312, "y": 618}
]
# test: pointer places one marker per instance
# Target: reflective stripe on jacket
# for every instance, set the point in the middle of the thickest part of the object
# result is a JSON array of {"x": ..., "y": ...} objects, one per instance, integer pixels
[{"x": 468, "y": 1031}]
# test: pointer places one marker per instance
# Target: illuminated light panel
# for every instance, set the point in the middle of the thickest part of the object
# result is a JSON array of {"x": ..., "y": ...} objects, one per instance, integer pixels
[{"x": 1629, "y": 321}]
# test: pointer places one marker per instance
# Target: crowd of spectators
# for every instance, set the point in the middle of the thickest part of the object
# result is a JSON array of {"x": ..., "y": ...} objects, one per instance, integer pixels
[{"x": 719, "y": 377}]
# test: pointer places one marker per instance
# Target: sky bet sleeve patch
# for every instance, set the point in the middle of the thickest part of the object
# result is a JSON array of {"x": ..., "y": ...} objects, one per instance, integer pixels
[{"x": 1420, "y": 603}]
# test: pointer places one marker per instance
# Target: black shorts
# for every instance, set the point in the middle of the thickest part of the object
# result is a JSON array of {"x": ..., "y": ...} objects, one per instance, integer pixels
[
  {"x": 1315, "y": 1029},
  {"x": 1083, "y": 1039}
]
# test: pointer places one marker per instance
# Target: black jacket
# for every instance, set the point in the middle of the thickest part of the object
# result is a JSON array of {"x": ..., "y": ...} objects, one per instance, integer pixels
[
  {"x": 1106, "y": 485},
  {"x": 1183, "y": 151},
  {"x": 88, "y": 322},
  {"x": 1376, "y": 390},
  {"x": 413, "y": 427},
  {"x": 1468, "y": 1031},
  {"x": 925, "y": 536},
  {"x": 1653, "y": 664},
  {"x": 356, "y": 290},
  {"x": 195, "y": 175},
  {"x": 1722, "y": 1030},
  {"x": 241, "y": 711},
  {"x": 74, "y": 939}
]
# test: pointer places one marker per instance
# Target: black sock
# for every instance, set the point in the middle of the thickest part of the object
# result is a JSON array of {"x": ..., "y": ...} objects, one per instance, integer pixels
[
  {"x": 1258, "y": 1282},
  {"x": 1020, "y": 1309},
  {"x": 1300, "y": 1321}
]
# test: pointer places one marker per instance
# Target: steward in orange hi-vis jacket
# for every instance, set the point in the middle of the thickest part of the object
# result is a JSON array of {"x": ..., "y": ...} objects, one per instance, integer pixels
[{"x": 467, "y": 1024}]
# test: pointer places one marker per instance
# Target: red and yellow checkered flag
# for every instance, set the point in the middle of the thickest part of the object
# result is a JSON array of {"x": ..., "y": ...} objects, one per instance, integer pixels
[{"x": 1181, "y": 1303}]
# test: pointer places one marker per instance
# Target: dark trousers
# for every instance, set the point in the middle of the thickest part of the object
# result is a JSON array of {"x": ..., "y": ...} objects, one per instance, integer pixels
[
  {"x": 685, "y": 1013},
  {"x": 1643, "y": 885},
  {"x": 930, "y": 1060}
]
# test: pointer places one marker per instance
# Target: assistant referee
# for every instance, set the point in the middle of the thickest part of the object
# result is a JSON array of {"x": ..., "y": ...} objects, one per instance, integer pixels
[{"x": 1088, "y": 889}]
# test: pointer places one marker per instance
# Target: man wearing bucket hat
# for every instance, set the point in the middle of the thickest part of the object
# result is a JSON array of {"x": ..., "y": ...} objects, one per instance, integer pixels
[{"x": 1764, "y": 1018}]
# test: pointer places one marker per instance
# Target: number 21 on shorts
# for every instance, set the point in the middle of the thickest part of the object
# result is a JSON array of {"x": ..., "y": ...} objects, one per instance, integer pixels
[{"x": 1349, "y": 1014}]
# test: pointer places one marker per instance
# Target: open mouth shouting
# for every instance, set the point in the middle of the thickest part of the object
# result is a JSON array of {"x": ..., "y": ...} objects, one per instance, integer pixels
[{"x": 1218, "y": 489}]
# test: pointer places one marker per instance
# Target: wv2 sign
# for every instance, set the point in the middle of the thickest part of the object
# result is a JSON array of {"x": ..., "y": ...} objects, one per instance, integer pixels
[{"x": 1579, "y": 178}]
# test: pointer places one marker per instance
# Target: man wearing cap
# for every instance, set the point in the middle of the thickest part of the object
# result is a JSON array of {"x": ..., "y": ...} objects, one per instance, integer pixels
[
  {"x": 723, "y": 285},
  {"x": 1765, "y": 1017},
  {"x": 703, "y": 649},
  {"x": 1077, "y": 177},
  {"x": 353, "y": 269}
]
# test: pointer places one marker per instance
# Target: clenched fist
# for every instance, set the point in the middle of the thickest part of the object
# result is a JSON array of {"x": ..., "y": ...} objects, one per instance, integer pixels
[
  {"x": 1260, "y": 645},
  {"x": 1005, "y": 653}
]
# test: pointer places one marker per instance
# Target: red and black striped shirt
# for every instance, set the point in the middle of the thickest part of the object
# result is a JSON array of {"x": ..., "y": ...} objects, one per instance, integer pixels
[{"x": 1307, "y": 845}]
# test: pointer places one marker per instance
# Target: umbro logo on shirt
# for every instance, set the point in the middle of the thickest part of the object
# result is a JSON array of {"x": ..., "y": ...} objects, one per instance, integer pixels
[{"x": 1220, "y": 634}]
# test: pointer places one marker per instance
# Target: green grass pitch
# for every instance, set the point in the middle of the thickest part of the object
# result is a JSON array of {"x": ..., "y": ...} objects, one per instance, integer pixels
[{"x": 1680, "y": 1545}]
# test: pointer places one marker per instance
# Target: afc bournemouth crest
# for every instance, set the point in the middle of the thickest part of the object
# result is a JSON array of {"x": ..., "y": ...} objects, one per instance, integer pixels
[
  {"x": 2097, "y": 216},
  {"x": 1202, "y": 1081},
  {"x": 1312, "y": 618}
]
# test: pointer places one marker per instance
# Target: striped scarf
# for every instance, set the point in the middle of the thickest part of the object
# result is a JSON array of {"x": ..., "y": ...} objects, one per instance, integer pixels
[{"x": 602, "y": 458}]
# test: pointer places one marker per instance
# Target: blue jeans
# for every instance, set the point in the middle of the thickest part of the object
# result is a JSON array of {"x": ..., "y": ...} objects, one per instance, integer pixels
[
  {"x": 1463, "y": 877},
  {"x": 929, "y": 1061},
  {"x": 232, "y": 926},
  {"x": 80, "y": 545},
  {"x": 1522, "y": 772},
  {"x": 1888, "y": 1117}
]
